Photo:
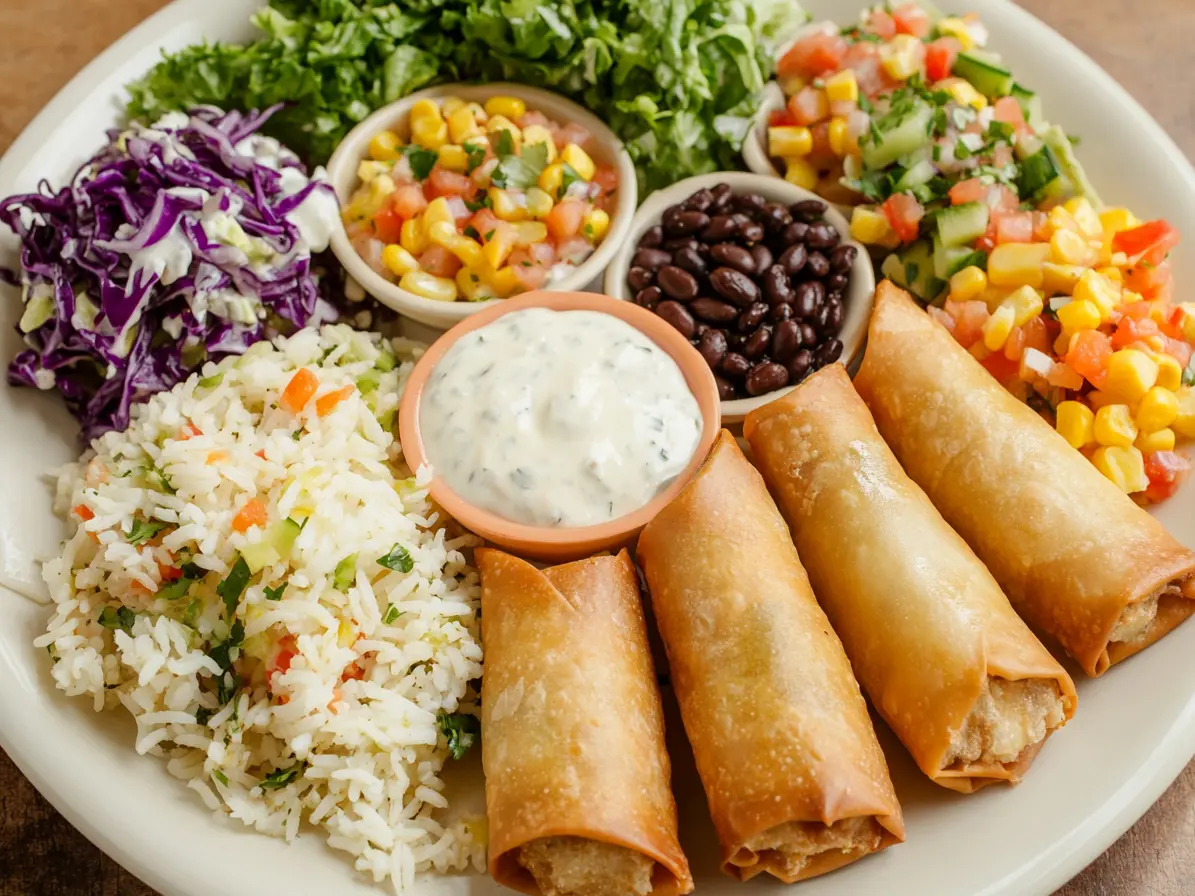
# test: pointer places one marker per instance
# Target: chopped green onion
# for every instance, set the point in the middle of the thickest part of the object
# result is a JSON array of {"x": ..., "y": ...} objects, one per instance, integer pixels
[
  {"x": 210, "y": 382},
  {"x": 392, "y": 613},
  {"x": 460, "y": 729},
  {"x": 276, "y": 780},
  {"x": 275, "y": 593},
  {"x": 398, "y": 559},
  {"x": 122, "y": 619},
  {"x": 345, "y": 573}
]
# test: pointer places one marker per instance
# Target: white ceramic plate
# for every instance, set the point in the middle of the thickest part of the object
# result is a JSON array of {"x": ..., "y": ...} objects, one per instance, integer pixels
[{"x": 1134, "y": 731}]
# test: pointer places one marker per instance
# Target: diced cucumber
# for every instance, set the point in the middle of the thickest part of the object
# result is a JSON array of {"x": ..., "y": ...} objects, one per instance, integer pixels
[
  {"x": 898, "y": 135},
  {"x": 259, "y": 556},
  {"x": 919, "y": 174},
  {"x": 913, "y": 268},
  {"x": 1030, "y": 104},
  {"x": 1055, "y": 138},
  {"x": 1037, "y": 171},
  {"x": 949, "y": 260},
  {"x": 893, "y": 268},
  {"x": 961, "y": 225},
  {"x": 986, "y": 76},
  {"x": 282, "y": 536}
]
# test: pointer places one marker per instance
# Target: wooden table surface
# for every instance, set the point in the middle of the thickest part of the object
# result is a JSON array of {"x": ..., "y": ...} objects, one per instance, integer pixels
[{"x": 1149, "y": 52}]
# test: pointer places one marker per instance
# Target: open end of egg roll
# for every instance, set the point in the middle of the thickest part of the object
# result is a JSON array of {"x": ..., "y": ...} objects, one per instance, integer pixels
[
  {"x": 1144, "y": 622},
  {"x": 1007, "y": 726},
  {"x": 575, "y": 866},
  {"x": 799, "y": 849}
]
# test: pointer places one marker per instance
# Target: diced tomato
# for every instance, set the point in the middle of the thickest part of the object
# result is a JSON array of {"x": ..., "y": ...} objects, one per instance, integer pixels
[
  {"x": 781, "y": 118},
  {"x": 284, "y": 654},
  {"x": 973, "y": 190},
  {"x": 863, "y": 59},
  {"x": 387, "y": 225},
  {"x": 439, "y": 262},
  {"x": 1180, "y": 349},
  {"x": 1001, "y": 366},
  {"x": 1088, "y": 355},
  {"x": 169, "y": 573},
  {"x": 1002, "y": 199},
  {"x": 532, "y": 116},
  {"x": 939, "y": 57},
  {"x": 1149, "y": 243},
  {"x": 904, "y": 213},
  {"x": 261, "y": 454},
  {"x": 530, "y": 275},
  {"x": 564, "y": 220},
  {"x": 1014, "y": 345},
  {"x": 442, "y": 182},
  {"x": 574, "y": 250},
  {"x": 607, "y": 180},
  {"x": 408, "y": 201},
  {"x": 969, "y": 318},
  {"x": 83, "y": 512},
  {"x": 572, "y": 133},
  {"x": 987, "y": 242},
  {"x": 1131, "y": 329},
  {"x": 911, "y": 19},
  {"x": 352, "y": 672},
  {"x": 821, "y": 155},
  {"x": 1001, "y": 155},
  {"x": 1151, "y": 282},
  {"x": 813, "y": 55},
  {"x": 1014, "y": 227},
  {"x": 1008, "y": 110},
  {"x": 1041, "y": 227},
  {"x": 298, "y": 391},
  {"x": 188, "y": 431},
  {"x": 941, "y": 317},
  {"x": 1166, "y": 471},
  {"x": 252, "y": 513},
  {"x": 808, "y": 105},
  {"x": 880, "y": 23},
  {"x": 1037, "y": 335},
  {"x": 484, "y": 221},
  {"x": 325, "y": 404}
]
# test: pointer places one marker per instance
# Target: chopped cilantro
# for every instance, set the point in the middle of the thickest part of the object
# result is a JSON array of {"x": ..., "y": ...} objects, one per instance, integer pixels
[
  {"x": 422, "y": 160},
  {"x": 398, "y": 559},
  {"x": 938, "y": 123},
  {"x": 568, "y": 177},
  {"x": 143, "y": 531},
  {"x": 460, "y": 729},
  {"x": 520, "y": 172},
  {"x": 392, "y": 613},
  {"x": 345, "y": 573},
  {"x": 202, "y": 715},
  {"x": 489, "y": 235},
  {"x": 275, "y": 593},
  {"x": 471, "y": 233},
  {"x": 474, "y": 156},
  {"x": 1000, "y": 130},
  {"x": 483, "y": 202},
  {"x": 961, "y": 151},
  {"x": 193, "y": 570},
  {"x": 120, "y": 618},
  {"x": 276, "y": 780},
  {"x": 504, "y": 144},
  {"x": 865, "y": 104},
  {"x": 233, "y": 586},
  {"x": 912, "y": 270}
]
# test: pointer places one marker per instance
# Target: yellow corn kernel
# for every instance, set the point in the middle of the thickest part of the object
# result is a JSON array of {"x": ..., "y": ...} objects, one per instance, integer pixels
[
  {"x": 453, "y": 158},
  {"x": 841, "y": 87},
  {"x": 994, "y": 296},
  {"x": 1079, "y": 315},
  {"x": 450, "y": 104},
  {"x": 429, "y": 134},
  {"x": 1098, "y": 399},
  {"x": 425, "y": 110},
  {"x": 385, "y": 146},
  {"x": 799, "y": 172},
  {"x": 499, "y": 246},
  {"x": 1158, "y": 409},
  {"x": 968, "y": 283},
  {"x": 1114, "y": 425},
  {"x": 901, "y": 57},
  {"x": 956, "y": 28},
  {"x": 1098, "y": 289},
  {"x": 379, "y": 188},
  {"x": 551, "y": 179},
  {"x": 1159, "y": 440},
  {"x": 502, "y": 123},
  {"x": 428, "y": 286},
  {"x": 1186, "y": 320},
  {"x": 788, "y": 141},
  {"x": 1116, "y": 275},
  {"x": 1075, "y": 422},
  {"x": 398, "y": 260},
  {"x": 441, "y": 233},
  {"x": 539, "y": 203},
  {"x": 870, "y": 226},
  {"x": 1060, "y": 279},
  {"x": 438, "y": 210},
  {"x": 574, "y": 155},
  {"x": 413, "y": 237},
  {"x": 462, "y": 125},
  {"x": 792, "y": 84},
  {"x": 1114, "y": 220},
  {"x": 472, "y": 286},
  {"x": 504, "y": 281},
  {"x": 1124, "y": 465},
  {"x": 505, "y": 106},
  {"x": 1026, "y": 303},
  {"x": 1085, "y": 216},
  {"x": 536, "y": 134},
  {"x": 1017, "y": 264},
  {"x": 468, "y": 251},
  {"x": 367, "y": 170},
  {"x": 1060, "y": 219},
  {"x": 1184, "y": 423},
  {"x": 1131, "y": 374},
  {"x": 1068, "y": 247},
  {"x": 965, "y": 94},
  {"x": 594, "y": 225},
  {"x": 1170, "y": 372},
  {"x": 528, "y": 233},
  {"x": 997, "y": 327},
  {"x": 505, "y": 207},
  {"x": 840, "y": 143}
]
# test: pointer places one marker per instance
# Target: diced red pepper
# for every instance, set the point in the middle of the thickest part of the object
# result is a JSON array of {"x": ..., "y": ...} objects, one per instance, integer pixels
[
  {"x": 940, "y": 56},
  {"x": 325, "y": 404},
  {"x": 169, "y": 573},
  {"x": 83, "y": 512},
  {"x": 1166, "y": 471},
  {"x": 1088, "y": 355},
  {"x": 813, "y": 55},
  {"x": 904, "y": 213},
  {"x": 387, "y": 225},
  {"x": 298, "y": 391},
  {"x": 1149, "y": 243},
  {"x": 781, "y": 118}
]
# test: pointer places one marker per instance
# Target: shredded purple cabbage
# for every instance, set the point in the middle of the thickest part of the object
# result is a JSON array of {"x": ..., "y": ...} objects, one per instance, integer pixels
[{"x": 176, "y": 244}]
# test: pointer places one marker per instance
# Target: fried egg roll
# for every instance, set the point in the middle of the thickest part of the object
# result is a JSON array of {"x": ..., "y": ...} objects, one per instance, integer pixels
[
  {"x": 577, "y": 778},
  {"x": 963, "y": 682},
  {"x": 796, "y": 782},
  {"x": 1078, "y": 559}
]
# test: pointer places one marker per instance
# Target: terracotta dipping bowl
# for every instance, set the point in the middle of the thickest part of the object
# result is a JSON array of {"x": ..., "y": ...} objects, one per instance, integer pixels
[{"x": 552, "y": 542}]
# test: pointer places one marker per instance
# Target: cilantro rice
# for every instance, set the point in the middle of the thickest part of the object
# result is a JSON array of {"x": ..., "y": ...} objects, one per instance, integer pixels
[{"x": 316, "y": 666}]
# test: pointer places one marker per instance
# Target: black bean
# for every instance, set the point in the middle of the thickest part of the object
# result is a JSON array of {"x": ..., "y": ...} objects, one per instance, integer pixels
[
  {"x": 734, "y": 365},
  {"x": 736, "y": 341},
  {"x": 682, "y": 223},
  {"x": 652, "y": 237},
  {"x": 776, "y": 217},
  {"x": 819, "y": 318},
  {"x": 821, "y": 355},
  {"x": 798, "y": 365},
  {"x": 822, "y": 235},
  {"x": 678, "y": 315},
  {"x": 713, "y": 311},
  {"x": 777, "y": 287},
  {"x": 835, "y": 282},
  {"x": 651, "y": 259},
  {"x": 750, "y": 203},
  {"x": 726, "y": 391},
  {"x": 733, "y": 256},
  {"x": 720, "y": 229},
  {"x": 786, "y": 339},
  {"x": 751, "y": 318},
  {"x": 766, "y": 377},
  {"x": 676, "y": 243},
  {"x": 808, "y": 210},
  {"x": 794, "y": 259},
  {"x": 648, "y": 298},
  {"x": 751, "y": 232},
  {"x": 794, "y": 233},
  {"x": 762, "y": 256},
  {"x": 699, "y": 201},
  {"x": 842, "y": 258},
  {"x": 640, "y": 278},
  {"x": 758, "y": 343},
  {"x": 808, "y": 335},
  {"x": 833, "y": 317},
  {"x": 810, "y": 296},
  {"x": 712, "y": 347},
  {"x": 699, "y": 331},
  {"x": 734, "y": 286},
  {"x": 780, "y": 313},
  {"x": 833, "y": 349},
  {"x": 677, "y": 283},
  {"x": 723, "y": 196},
  {"x": 817, "y": 265},
  {"x": 689, "y": 259}
]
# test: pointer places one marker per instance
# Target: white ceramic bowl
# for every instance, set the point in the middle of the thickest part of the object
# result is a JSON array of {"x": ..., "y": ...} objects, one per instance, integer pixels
[
  {"x": 860, "y": 291},
  {"x": 606, "y": 148}
]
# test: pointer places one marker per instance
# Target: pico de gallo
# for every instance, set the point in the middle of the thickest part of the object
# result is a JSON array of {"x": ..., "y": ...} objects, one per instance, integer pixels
[{"x": 468, "y": 201}]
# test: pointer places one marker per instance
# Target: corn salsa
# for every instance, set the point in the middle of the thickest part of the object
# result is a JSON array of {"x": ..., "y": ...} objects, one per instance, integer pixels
[{"x": 465, "y": 201}]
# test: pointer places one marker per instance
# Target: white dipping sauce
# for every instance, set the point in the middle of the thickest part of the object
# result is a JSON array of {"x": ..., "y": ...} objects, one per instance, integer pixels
[{"x": 558, "y": 418}]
